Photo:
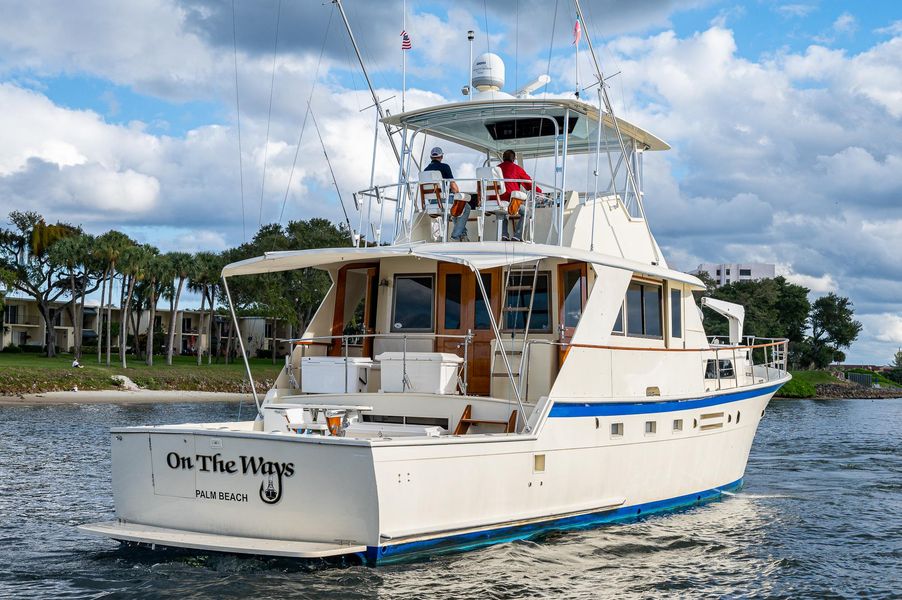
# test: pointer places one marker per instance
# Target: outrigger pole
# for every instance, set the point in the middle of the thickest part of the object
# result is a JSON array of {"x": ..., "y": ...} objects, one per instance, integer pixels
[
  {"x": 607, "y": 104},
  {"x": 366, "y": 76}
]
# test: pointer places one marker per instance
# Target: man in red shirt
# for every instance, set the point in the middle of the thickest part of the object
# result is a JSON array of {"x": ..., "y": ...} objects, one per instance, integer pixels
[{"x": 511, "y": 170}]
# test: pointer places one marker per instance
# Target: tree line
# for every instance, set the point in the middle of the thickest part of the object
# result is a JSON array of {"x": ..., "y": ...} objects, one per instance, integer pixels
[
  {"x": 818, "y": 331},
  {"x": 59, "y": 262}
]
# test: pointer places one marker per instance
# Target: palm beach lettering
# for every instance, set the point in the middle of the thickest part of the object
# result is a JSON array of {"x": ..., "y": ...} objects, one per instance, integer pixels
[{"x": 272, "y": 471}]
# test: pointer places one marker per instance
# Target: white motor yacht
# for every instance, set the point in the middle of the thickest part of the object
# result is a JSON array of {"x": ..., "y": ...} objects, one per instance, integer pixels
[{"x": 448, "y": 395}]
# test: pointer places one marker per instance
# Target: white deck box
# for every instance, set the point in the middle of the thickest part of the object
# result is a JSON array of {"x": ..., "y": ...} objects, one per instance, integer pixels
[
  {"x": 328, "y": 374},
  {"x": 427, "y": 372}
]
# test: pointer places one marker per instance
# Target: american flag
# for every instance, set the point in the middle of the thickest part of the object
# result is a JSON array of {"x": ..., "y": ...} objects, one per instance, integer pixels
[
  {"x": 405, "y": 41},
  {"x": 577, "y": 31}
]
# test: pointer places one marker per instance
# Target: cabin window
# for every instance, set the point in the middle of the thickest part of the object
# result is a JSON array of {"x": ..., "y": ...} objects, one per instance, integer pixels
[
  {"x": 726, "y": 368},
  {"x": 643, "y": 310},
  {"x": 651, "y": 427},
  {"x": 618, "y": 324},
  {"x": 518, "y": 292},
  {"x": 676, "y": 314},
  {"x": 678, "y": 424},
  {"x": 482, "y": 318},
  {"x": 413, "y": 303},
  {"x": 453, "y": 300},
  {"x": 573, "y": 297},
  {"x": 616, "y": 429}
]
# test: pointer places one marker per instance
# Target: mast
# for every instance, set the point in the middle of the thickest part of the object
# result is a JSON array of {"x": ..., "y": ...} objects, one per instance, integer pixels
[{"x": 369, "y": 83}]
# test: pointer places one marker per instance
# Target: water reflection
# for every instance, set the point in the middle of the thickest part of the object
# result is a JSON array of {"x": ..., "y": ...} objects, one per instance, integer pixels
[{"x": 819, "y": 516}]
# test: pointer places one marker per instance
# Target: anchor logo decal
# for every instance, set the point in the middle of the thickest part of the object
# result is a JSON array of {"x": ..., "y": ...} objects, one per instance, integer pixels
[{"x": 271, "y": 495}]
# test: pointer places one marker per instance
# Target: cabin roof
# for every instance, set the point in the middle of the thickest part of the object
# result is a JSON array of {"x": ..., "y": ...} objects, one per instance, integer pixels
[
  {"x": 488, "y": 126},
  {"x": 483, "y": 255}
]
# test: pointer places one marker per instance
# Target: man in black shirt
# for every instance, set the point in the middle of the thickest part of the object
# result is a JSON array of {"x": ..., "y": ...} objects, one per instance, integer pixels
[{"x": 459, "y": 233}]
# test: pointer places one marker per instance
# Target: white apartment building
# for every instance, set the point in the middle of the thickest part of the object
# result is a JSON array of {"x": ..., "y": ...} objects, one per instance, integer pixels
[{"x": 732, "y": 272}]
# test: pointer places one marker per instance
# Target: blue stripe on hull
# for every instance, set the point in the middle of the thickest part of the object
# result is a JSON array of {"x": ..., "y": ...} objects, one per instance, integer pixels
[
  {"x": 478, "y": 539},
  {"x": 608, "y": 409}
]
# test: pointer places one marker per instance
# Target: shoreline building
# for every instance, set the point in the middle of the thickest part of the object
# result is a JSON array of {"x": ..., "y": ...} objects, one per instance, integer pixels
[
  {"x": 21, "y": 325},
  {"x": 726, "y": 273}
]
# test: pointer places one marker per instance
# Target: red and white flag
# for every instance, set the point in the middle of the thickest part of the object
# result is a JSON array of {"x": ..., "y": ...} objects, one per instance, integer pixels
[
  {"x": 405, "y": 41},
  {"x": 577, "y": 32}
]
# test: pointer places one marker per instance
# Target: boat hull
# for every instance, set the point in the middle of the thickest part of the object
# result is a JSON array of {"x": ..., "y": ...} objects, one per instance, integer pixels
[{"x": 396, "y": 499}]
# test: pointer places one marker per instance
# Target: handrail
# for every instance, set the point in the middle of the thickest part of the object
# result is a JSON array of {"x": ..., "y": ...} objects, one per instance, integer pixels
[
  {"x": 396, "y": 192},
  {"x": 776, "y": 360},
  {"x": 709, "y": 349}
]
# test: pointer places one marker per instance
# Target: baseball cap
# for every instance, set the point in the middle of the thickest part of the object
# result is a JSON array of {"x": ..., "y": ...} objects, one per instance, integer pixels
[{"x": 437, "y": 151}]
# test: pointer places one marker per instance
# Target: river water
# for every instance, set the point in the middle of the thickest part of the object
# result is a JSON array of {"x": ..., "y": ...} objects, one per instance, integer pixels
[{"x": 820, "y": 516}]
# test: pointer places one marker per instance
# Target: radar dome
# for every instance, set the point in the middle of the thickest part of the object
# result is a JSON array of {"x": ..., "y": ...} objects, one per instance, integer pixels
[{"x": 488, "y": 72}]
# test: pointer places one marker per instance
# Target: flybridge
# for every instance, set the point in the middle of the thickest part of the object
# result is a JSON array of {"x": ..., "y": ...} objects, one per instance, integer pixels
[{"x": 535, "y": 125}]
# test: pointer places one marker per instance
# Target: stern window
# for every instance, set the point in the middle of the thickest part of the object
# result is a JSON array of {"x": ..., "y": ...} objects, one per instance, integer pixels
[{"x": 413, "y": 303}]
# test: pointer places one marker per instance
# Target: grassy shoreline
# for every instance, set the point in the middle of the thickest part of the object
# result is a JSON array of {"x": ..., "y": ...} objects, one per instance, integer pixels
[{"x": 22, "y": 374}]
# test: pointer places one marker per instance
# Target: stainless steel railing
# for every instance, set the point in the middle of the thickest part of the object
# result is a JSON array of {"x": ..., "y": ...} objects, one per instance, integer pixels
[
  {"x": 771, "y": 368},
  {"x": 407, "y": 200}
]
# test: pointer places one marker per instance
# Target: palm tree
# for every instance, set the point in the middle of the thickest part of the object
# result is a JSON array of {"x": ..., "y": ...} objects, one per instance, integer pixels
[
  {"x": 133, "y": 265},
  {"x": 183, "y": 268},
  {"x": 200, "y": 279},
  {"x": 110, "y": 247},
  {"x": 158, "y": 271}
]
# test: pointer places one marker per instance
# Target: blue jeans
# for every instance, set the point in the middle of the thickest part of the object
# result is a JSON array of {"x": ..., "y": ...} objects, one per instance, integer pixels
[
  {"x": 518, "y": 226},
  {"x": 460, "y": 224}
]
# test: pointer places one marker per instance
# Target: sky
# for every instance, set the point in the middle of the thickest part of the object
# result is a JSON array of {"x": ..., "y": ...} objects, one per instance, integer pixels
[{"x": 784, "y": 117}]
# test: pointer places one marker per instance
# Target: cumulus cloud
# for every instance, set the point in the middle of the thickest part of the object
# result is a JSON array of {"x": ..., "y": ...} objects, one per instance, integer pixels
[
  {"x": 792, "y": 158},
  {"x": 796, "y": 10}
]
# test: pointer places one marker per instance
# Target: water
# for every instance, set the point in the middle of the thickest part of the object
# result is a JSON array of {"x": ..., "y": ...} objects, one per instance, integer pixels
[{"x": 820, "y": 516}]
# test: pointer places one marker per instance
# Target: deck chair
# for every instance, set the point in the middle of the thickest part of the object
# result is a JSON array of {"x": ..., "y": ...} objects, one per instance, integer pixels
[{"x": 430, "y": 188}]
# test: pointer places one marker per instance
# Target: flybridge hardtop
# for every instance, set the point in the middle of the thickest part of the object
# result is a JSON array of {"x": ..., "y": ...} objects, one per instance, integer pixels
[
  {"x": 527, "y": 125},
  {"x": 447, "y": 395},
  {"x": 488, "y": 255}
]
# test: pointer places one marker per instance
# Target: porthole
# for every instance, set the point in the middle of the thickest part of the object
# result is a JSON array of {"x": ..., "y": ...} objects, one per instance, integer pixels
[
  {"x": 738, "y": 414},
  {"x": 694, "y": 423},
  {"x": 729, "y": 418},
  {"x": 597, "y": 423}
]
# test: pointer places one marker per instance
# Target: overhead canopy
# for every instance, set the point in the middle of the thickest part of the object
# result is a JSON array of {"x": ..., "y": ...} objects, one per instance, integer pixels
[
  {"x": 486, "y": 255},
  {"x": 526, "y": 125}
]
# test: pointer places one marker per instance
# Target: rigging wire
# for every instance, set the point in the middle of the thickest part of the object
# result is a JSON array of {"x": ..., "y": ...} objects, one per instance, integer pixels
[
  {"x": 485, "y": 16},
  {"x": 516, "y": 50},
  {"x": 331, "y": 172},
  {"x": 272, "y": 85},
  {"x": 238, "y": 114},
  {"x": 306, "y": 114},
  {"x": 535, "y": 160}
]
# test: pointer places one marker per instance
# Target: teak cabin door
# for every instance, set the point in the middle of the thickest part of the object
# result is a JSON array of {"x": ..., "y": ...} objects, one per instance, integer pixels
[
  {"x": 355, "y": 307},
  {"x": 461, "y": 307}
]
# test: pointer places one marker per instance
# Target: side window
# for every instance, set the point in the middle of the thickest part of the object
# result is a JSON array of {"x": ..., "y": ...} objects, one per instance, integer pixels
[
  {"x": 643, "y": 310},
  {"x": 618, "y": 324},
  {"x": 412, "y": 307},
  {"x": 676, "y": 314}
]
